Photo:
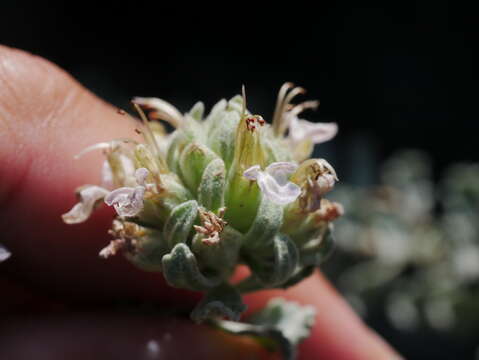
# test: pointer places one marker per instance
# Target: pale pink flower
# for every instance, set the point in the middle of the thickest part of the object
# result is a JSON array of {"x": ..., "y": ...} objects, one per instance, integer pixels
[
  {"x": 128, "y": 201},
  {"x": 274, "y": 183}
]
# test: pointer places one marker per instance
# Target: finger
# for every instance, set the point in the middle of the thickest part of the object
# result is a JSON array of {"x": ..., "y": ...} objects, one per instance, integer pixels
[
  {"x": 338, "y": 333},
  {"x": 120, "y": 336},
  {"x": 46, "y": 118}
]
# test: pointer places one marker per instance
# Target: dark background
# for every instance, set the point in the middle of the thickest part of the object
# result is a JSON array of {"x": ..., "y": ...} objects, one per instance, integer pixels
[{"x": 392, "y": 74}]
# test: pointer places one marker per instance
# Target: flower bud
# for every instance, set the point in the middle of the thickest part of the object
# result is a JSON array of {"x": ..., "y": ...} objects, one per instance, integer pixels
[{"x": 243, "y": 196}]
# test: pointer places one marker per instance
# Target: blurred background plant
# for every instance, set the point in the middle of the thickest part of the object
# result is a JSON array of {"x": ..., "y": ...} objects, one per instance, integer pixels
[{"x": 408, "y": 248}]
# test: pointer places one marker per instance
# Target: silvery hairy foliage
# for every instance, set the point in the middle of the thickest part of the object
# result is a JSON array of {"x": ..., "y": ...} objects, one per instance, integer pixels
[
  {"x": 412, "y": 245},
  {"x": 223, "y": 189}
]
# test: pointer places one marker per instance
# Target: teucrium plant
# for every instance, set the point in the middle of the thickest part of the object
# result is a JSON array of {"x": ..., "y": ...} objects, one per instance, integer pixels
[{"x": 221, "y": 190}]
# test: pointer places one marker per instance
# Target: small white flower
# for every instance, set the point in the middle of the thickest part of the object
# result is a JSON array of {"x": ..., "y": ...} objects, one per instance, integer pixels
[
  {"x": 128, "y": 201},
  {"x": 273, "y": 181},
  {"x": 4, "y": 254},
  {"x": 89, "y": 195},
  {"x": 301, "y": 130}
]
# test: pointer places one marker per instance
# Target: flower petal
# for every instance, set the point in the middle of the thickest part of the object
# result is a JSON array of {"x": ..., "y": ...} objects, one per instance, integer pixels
[
  {"x": 81, "y": 211},
  {"x": 280, "y": 171},
  {"x": 278, "y": 194},
  {"x": 127, "y": 201},
  {"x": 252, "y": 172},
  {"x": 300, "y": 130},
  {"x": 322, "y": 132},
  {"x": 325, "y": 183},
  {"x": 118, "y": 194}
]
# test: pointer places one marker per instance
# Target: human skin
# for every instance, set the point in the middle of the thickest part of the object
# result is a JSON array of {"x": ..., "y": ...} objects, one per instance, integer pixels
[{"x": 55, "y": 275}]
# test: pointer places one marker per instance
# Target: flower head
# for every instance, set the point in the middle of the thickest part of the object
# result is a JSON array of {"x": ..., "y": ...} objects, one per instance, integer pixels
[
  {"x": 274, "y": 183},
  {"x": 170, "y": 193}
]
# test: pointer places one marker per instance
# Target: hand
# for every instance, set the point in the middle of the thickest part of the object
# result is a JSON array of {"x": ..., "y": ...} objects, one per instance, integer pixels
[{"x": 55, "y": 274}]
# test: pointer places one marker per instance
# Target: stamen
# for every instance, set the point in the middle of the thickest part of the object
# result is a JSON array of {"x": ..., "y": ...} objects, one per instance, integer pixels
[
  {"x": 161, "y": 110},
  {"x": 293, "y": 93},
  {"x": 283, "y": 102},
  {"x": 150, "y": 137},
  {"x": 278, "y": 110},
  {"x": 299, "y": 108},
  {"x": 251, "y": 122},
  {"x": 243, "y": 109},
  {"x": 295, "y": 110},
  {"x": 112, "y": 248},
  {"x": 211, "y": 225},
  {"x": 111, "y": 145}
]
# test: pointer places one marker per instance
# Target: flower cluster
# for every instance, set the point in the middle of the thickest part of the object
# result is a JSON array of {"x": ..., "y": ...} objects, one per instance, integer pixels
[{"x": 219, "y": 191}]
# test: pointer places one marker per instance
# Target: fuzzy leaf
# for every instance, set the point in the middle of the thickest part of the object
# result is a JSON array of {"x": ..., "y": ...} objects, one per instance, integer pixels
[
  {"x": 275, "y": 267},
  {"x": 177, "y": 143},
  {"x": 280, "y": 325},
  {"x": 317, "y": 250},
  {"x": 193, "y": 161},
  {"x": 179, "y": 223},
  {"x": 211, "y": 188},
  {"x": 266, "y": 225},
  {"x": 276, "y": 149},
  {"x": 222, "y": 136},
  {"x": 215, "y": 112},
  {"x": 222, "y": 301},
  {"x": 180, "y": 269},
  {"x": 149, "y": 251},
  {"x": 197, "y": 111},
  {"x": 222, "y": 256},
  {"x": 294, "y": 321},
  {"x": 235, "y": 104}
]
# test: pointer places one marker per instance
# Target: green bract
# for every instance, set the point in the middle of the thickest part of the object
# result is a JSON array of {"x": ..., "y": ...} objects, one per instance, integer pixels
[{"x": 221, "y": 190}]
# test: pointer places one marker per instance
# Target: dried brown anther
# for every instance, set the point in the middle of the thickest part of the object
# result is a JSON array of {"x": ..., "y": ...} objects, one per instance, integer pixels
[
  {"x": 212, "y": 225},
  {"x": 253, "y": 121},
  {"x": 126, "y": 234}
]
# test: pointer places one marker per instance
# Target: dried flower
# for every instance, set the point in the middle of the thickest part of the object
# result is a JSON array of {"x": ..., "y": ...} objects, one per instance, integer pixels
[{"x": 316, "y": 178}]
